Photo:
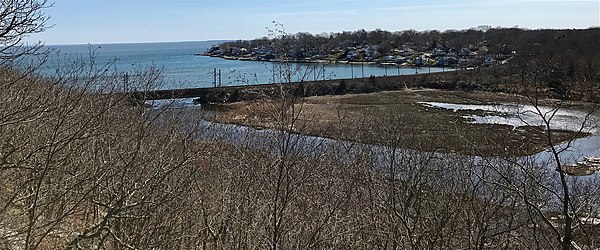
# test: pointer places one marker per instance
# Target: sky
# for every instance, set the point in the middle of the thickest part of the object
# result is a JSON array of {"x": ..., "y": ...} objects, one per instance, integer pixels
[{"x": 130, "y": 21}]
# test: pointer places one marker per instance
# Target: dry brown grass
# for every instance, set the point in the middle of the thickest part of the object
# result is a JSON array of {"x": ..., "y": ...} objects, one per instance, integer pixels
[{"x": 398, "y": 119}]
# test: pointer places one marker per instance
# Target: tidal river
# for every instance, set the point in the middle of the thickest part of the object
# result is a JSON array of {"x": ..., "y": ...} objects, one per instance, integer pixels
[{"x": 510, "y": 114}]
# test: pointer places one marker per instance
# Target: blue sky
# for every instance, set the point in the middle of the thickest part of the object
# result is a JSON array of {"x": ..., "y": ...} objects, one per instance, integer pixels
[{"x": 115, "y": 21}]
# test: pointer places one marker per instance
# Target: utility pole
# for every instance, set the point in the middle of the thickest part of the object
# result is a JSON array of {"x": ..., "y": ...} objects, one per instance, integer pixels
[
  {"x": 215, "y": 77},
  {"x": 352, "y": 70},
  {"x": 362, "y": 69},
  {"x": 220, "y": 78},
  {"x": 125, "y": 81}
]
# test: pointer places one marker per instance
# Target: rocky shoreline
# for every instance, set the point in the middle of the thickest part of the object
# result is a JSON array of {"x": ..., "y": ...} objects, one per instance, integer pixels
[{"x": 319, "y": 61}]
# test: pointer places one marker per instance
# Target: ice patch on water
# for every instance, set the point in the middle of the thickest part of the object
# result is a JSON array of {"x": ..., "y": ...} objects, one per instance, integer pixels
[
  {"x": 171, "y": 103},
  {"x": 517, "y": 115}
]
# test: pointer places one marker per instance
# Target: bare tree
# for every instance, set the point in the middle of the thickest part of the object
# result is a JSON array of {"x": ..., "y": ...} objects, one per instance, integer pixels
[
  {"x": 555, "y": 201},
  {"x": 19, "y": 19}
]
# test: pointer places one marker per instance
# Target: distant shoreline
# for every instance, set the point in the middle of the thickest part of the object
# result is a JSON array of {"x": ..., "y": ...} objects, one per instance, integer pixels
[{"x": 135, "y": 43}]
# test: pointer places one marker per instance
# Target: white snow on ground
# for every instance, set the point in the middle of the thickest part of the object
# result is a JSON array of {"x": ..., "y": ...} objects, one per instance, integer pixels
[
  {"x": 524, "y": 115},
  {"x": 527, "y": 115}
]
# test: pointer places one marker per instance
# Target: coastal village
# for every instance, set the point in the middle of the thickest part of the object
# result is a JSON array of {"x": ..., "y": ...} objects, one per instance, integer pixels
[{"x": 406, "y": 55}]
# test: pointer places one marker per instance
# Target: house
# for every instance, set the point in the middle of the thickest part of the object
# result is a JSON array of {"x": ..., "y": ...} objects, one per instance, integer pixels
[
  {"x": 262, "y": 51},
  {"x": 438, "y": 52},
  {"x": 371, "y": 50},
  {"x": 483, "y": 49},
  {"x": 445, "y": 61},
  {"x": 466, "y": 62},
  {"x": 376, "y": 54},
  {"x": 407, "y": 52},
  {"x": 352, "y": 55},
  {"x": 452, "y": 54},
  {"x": 490, "y": 59},
  {"x": 464, "y": 52},
  {"x": 440, "y": 61},
  {"x": 389, "y": 59},
  {"x": 400, "y": 59},
  {"x": 418, "y": 61}
]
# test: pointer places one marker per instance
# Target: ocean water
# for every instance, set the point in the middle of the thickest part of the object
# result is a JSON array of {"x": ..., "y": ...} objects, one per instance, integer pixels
[{"x": 182, "y": 68}]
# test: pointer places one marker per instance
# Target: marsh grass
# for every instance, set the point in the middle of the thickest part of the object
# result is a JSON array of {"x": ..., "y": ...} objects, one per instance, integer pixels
[{"x": 362, "y": 117}]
